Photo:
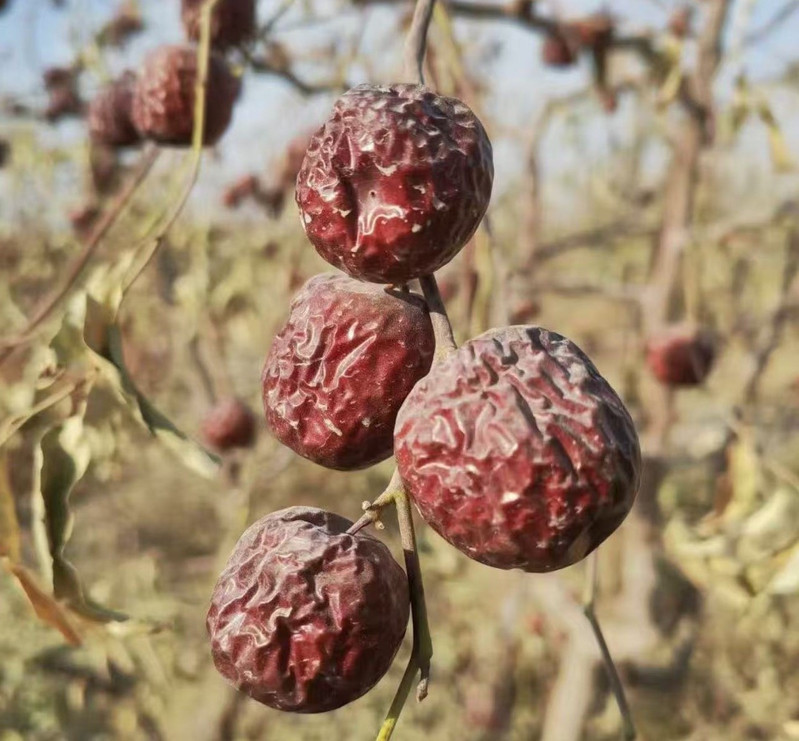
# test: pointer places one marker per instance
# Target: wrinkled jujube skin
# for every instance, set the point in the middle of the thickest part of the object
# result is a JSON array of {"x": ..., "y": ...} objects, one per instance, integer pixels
[
  {"x": 518, "y": 452},
  {"x": 232, "y": 21},
  {"x": 306, "y": 618},
  {"x": 395, "y": 182},
  {"x": 681, "y": 355},
  {"x": 109, "y": 115},
  {"x": 163, "y": 100},
  {"x": 338, "y": 371},
  {"x": 229, "y": 424}
]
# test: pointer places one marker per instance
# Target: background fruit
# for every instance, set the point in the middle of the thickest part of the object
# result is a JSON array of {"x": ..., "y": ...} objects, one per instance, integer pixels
[
  {"x": 163, "y": 102},
  {"x": 304, "y": 617},
  {"x": 230, "y": 424},
  {"x": 340, "y": 368},
  {"x": 395, "y": 182},
  {"x": 232, "y": 21},
  {"x": 518, "y": 452},
  {"x": 63, "y": 98},
  {"x": 557, "y": 52},
  {"x": 681, "y": 355},
  {"x": 109, "y": 115}
]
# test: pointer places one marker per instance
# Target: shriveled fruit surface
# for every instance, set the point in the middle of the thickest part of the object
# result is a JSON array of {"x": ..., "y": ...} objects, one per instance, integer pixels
[
  {"x": 163, "y": 101},
  {"x": 109, "y": 114},
  {"x": 338, "y": 371},
  {"x": 681, "y": 355},
  {"x": 229, "y": 424},
  {"x": 232, "y": 21},
  {"x": 304, "y": 617},
  {"x": 518, "y": 452},
  {"x": 395, "y": 182}
]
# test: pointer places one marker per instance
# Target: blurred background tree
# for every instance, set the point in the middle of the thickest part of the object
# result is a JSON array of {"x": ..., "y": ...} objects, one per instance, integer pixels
[{"x": 644, "y": 203}]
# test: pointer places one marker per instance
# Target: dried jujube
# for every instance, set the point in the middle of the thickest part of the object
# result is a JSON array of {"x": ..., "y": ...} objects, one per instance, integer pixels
[
  {"x": 109, "y": 114},
  {"x": 517, "y": 451},
  {"x": 163, "y": 99},
  {"x": 229, "y": 424},
  {"x": 341, "y": 366},
  {"x": 681, "y": 355},
  {"x": 232, "y": 21},
  {"x": 395, "y": 182},
  {"x": 306, "y": 618}
]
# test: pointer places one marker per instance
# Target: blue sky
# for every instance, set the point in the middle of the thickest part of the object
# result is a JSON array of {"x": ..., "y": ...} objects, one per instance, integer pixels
[{"x": 33, "y": 36}]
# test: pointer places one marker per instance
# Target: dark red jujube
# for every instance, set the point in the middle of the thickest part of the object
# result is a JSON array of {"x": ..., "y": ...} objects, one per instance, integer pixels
[
  {"x": 232, "y": 21},
  {"x": 517, "y": 451},
  {"x": 339, "y": 369},
  {"x": 109, "y": 114},
  {"x": 229, "y": 424},
  {"x": 681, "y": 355},
  {"x": 163, "y": 99},
  {"x": 306, "y": 618},
  {"x": 395, "y": 182}
]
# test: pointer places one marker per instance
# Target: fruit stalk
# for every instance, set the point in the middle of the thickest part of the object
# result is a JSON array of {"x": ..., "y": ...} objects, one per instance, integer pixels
[
  {"x": 416, "y": 41},
  {"x": 371, "y": 513},
  {"x": 442, "y": 328},
  {"x": 422, "y": 649},
  {"x": 203, "y": 56}
]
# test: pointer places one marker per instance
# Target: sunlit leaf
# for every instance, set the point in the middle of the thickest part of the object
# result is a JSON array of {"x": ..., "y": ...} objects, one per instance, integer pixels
[
  {"x": 46, "y": 607},
  {"x": 107, "y": 344},
  {"x": 9, "y": 526},
  {"x": 64, "y": 456},
  {"x": 781, "y": 156},
  {"x": 786, "y": 580},
  {"x": 746, "y": 476},
  {"x": 12, "y": 424},
  {"x": 772, "y": 527}
]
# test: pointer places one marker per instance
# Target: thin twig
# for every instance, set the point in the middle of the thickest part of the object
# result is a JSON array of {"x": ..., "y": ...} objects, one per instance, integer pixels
[
  {"x": 371, "y": 513},
  {"x": 416, "y": 41},
  {"x": 616, "y": 687},
  {"x": 198, "y": 137},
  {"x": 773, "y": 24},
  {"x": 75, "y": 270}
]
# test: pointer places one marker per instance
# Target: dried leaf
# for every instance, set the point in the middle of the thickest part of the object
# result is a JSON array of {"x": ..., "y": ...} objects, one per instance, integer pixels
[
  {"x": 106, "y": 343},
  {"x": 11, "y": 425},
  {"x": 63, "y": 457},
  {"x": 772, "y": 527},
  {"x": 47, "y": 609},
  {"x": 786, "y": 580},
  {"x": 9, "y": 526},
  {"x": 746, "y": 475}
]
